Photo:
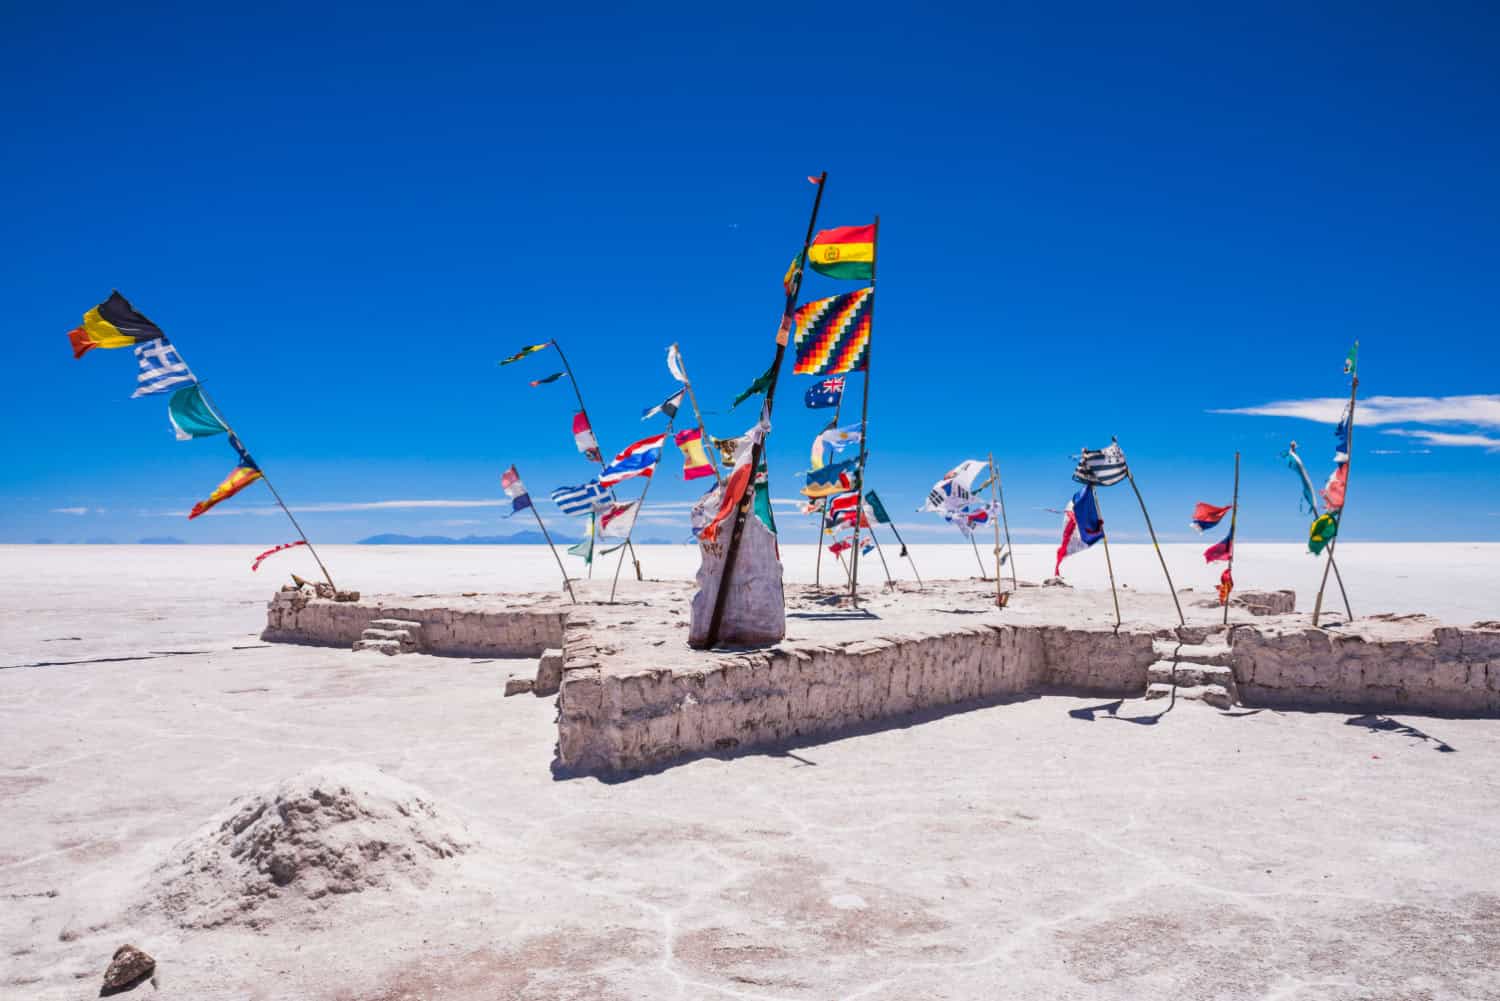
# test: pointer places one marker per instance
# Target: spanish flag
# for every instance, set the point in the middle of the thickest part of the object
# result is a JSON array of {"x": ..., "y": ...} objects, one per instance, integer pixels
[
  {"x": 246, "y": 473},
  {"x": 844, "y": 252},
  {"x": 113, "y": 323}
]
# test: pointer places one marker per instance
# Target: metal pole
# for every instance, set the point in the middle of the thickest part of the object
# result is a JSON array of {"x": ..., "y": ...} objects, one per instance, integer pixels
[
  {"x": 585, "y": 411},
  {"x": 1234, "y": 517},
  {"x": 994, "y": 500},
  {"x": 548, "y": 536},
  {"x": 783, "y": 334},
  {"x": 266, "y": 479},
  {"x": 1157, "y": 545},
  {"x": 640, "y": 504},
  {"x": 1339, "y": 518},
  {"x": 864, "y": 424},
  {"x": 708, "y": 445}
]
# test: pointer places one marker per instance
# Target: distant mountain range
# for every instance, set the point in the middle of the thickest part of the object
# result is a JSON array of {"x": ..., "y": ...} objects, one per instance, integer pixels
[
  {"x": 160, "y": 540},
  {"x": 519, "y": 539}
]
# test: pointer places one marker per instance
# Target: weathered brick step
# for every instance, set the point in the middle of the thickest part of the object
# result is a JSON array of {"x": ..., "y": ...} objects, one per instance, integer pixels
[
  {"x": 1198, "y": 653},
  {"x": 1185, "y": 674},
  {"x": 401, "y": 635},
  {"x": 1215, "y": 695},
  {"x": 408, "y": 625},
  {"x": 388, "y": 647}
]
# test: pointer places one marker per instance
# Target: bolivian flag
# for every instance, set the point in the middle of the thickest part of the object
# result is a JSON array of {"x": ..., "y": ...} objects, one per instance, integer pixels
[
  {"x": 844, "y": 252},
  {"x": 113, "y": 323},
  {"x": 246, "y": 473}
]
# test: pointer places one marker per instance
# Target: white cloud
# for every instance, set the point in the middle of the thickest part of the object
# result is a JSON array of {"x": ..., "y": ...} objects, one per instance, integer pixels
[
  {"x": 337, "y": 506},
  {"x": 1483, "y": 441},
  {"x": 70, "y": 510},
  {"x": 1480, "y": 410}
]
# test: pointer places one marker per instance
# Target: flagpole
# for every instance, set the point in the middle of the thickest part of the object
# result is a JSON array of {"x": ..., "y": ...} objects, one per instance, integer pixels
[
  {"x": 1014, "y": 583},
  {"x": 640, "y": 505},
  {"x": 597, "y": 448},
  {"x": 1234, "y": 517},
  {"x": 838, "y": 408},
  {"x": 864, "y": 423},
  {"x": 1165, "y": 572},
  {"x": 994, "y": 490},
  {"x": 1338, "y": 577},
  {"x": 266, "y": 479},
  {"x": 878, "y": 551},
  {"x": 906, "y": 552},
  {"x": 977, "y": 558},
  {"x": 568, "y": 584},
  {"x": 1103, "y": 537},
  {"x": 708, "y": 444},
  {"x": 783, "y": 334},
  {"x": 1339, "y": 518}
]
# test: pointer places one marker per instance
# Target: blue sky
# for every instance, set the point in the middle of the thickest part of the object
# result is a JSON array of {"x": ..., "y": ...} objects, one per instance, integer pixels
[{"x": 1094, "y": 222}]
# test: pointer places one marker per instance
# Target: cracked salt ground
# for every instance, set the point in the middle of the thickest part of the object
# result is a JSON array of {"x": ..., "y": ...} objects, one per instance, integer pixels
[{"x": 1025, "y": 850}]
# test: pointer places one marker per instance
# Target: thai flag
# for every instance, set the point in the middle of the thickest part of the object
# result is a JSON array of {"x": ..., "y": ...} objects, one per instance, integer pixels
[
  {"x": 520, "y": 500},
  {"x": 638, "y": 459},
  {"x": 1206, "y": 516}
]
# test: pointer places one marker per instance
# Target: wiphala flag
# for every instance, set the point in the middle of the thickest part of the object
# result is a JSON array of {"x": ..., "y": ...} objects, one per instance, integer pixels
[{"x": 833, "y": 334}]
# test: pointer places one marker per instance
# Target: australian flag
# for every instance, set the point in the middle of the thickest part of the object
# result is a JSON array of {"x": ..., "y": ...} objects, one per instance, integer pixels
[{"x": 825, "y": 393}]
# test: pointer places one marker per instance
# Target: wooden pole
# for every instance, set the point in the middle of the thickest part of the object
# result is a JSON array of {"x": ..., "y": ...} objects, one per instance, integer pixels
[
  {"x": 994, "y": 499},
  {"x": 1108, "y": 564},
  {"x": 864, "y": 424},
  {"x": 977, "y": 558},
  {"x": 838, "y": 408},
  {"x": 708, "y": 445},
  {"x": 548, "y": 536},
  {"x": 881, "y": 553},
  {"x": 640, "y": 505},
  {"x": 905, "y": 552},
  {"x": 1162, "y": 559},
  {"x": 266, "y": 479},
  {"x": 783, "y": 334},
  {"x": 1338, "y": 577},
  {"x": 578, "y": 393},
  {"x": 1234, "y": 517},
  {"x": 1000, "y": 488},
  {"x": 1339, "y": 518}
]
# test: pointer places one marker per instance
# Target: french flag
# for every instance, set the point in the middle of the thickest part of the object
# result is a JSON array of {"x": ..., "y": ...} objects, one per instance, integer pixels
[
  {"x": 1082, "y": 527},
  {"x": 638, "y": 459},
  {"x": 1206, "y": 516}
]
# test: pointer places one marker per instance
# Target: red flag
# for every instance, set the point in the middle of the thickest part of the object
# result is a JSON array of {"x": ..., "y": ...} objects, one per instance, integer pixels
[
  {"x": 1226, "y": 584},
  {"x": 1206, "y": 516},
  {"x": 1220, "y": 551},
  {"x": 271, "y": 552}
]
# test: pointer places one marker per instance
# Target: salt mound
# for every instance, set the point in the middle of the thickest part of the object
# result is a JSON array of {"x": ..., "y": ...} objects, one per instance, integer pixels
[{"x": 291, "y": 850}]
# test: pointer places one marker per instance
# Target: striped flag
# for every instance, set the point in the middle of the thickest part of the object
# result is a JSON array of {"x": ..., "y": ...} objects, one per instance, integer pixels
[
  {"x": 1206, "y": 516},
  {"x": 162, "y": 368},
  {"x": 273, "y": 551},
  {"x": 527, "y": 350},
  {"x": 637, "y": 459},
  {"x": 546, "y": 379},
  {"x": 619, "y": 519},
  {"x": 1220, "y": 551},
  {"x": 1102, "y": 467},
  {"x": 520, "y": 500},
  {"x": 668, "y": 406},
  {"x": 583, "y": 437},
  {"x": 694, "y": 460},
  {"x": 581, "y": 500}
]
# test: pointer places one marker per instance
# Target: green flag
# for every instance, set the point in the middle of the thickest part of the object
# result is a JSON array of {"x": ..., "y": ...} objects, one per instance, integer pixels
[
  {"x": 1351, "y": 361},
  {"x": 762, "y": 506},
  {"x": 191, "y": 416},
  {"x": 585, "y": 546},
  {"x": 760, "y": 385},
  {"x": 877, "y": 508},
  {"x": 1323, "y": 530}
]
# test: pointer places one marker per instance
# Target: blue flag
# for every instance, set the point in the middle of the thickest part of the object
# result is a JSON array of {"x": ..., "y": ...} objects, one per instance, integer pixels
[
  {"x": 825, "y": 393},
  {"x": 829, "y": 473}
]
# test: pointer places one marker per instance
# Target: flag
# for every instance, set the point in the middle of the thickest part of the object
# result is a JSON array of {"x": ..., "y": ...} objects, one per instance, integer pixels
[
  {"x": 161, "y": 368},
  {"x": 877, "y": 509},
  {"x": 583, "y": 437},
  {"x": 668, "y": 406},
  {"x": 815, "y": 490},
  {"x": 824, "y": 394},
  {"x": 724, "y": 499},
  {"x": 674, "y": 365},
  {"x": 843, "y": 502},
  {"x": 246, "y": 473},
  {"x": 833, "y": 334},
  {"x": 273, "y": 551},
  {"x": 547, "y": 378},
  {"x": 1351, "y": 361},
  {"x": 837, "y": 439},
  {"x": 867, "y": 548},
  {"x": 727, "y": 447},
  {"x": 1101, "y": 467},
  {"x": 760, "y": 385},
  {"x": 510, "y": 480},
  {"x": 694, "y": 460},
  {"x": 1308, "y": 504},
  {"x": 1206, "y": 516},
  {"x": 846, "y": 519},
  {"x": 844, "y": 252},
  {"x": 585, "y": 546},
  {"x": 113, "y": 323},
  {"x": 620, "y": 518},
  {"x": 581, "y": 500},
  {"x": 1341, "y": 437},
  {"x": 191, "y": 416},
  {"x": 636, "y": 459},
  {"x": 956, "y": 487},
  {"x": 1220, "y": 551},
  {"x": 529, "y": 349},
  {"x": 830, "y": 473},
  {"x": 839, "y": 546},
  {"x": 1324, "y": 528},
  {"x": 1333, "y": 490},
  {"x": 1226, "y": 584},
  {"x": 1082, "y": 526},
  {"x": 789, "y": 280}
]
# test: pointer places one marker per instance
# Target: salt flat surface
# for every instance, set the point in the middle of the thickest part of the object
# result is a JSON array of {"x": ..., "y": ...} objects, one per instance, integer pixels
[{"x": 1047, "y": 848}]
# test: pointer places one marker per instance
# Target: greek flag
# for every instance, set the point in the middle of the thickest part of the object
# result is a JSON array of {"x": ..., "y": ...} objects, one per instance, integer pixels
[
  {"x": 581, "y": 500},
  {"x": 162, "y": 368},
  {"x": 1101, "y": 467}
]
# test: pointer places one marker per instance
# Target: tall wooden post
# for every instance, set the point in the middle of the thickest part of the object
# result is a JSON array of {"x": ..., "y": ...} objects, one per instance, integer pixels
[
  {"x": 1000, "y": 488},
  {"x": 1234, "y": 518},
  {"x": 864, "y": 423},
  {"x": 1339, "y": 518},
  {"x": 838, "y": 408},
  {"x": 708, "y": 445},
  {"x": 1160, "y": 558},
  {"x": 560, "y": 566},
  {"x": 905, "y": 552},
  {"x": 640, "y": 505},
  {"x": 994, "y": 500},
  {"x": 783, "y": 334},
  {"x": 1108, "y": 564}
]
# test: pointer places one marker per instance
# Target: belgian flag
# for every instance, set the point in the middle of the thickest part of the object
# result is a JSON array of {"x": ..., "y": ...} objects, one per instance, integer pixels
[{"x": 113, "y": 323}]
